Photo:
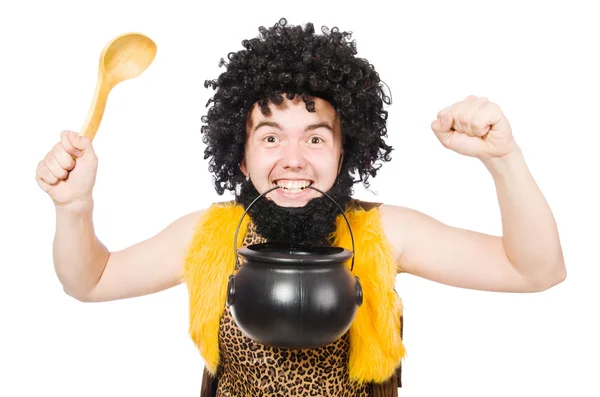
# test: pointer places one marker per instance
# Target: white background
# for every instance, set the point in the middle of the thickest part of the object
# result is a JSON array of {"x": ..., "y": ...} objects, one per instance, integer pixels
[{"x": 537, "y": 60}]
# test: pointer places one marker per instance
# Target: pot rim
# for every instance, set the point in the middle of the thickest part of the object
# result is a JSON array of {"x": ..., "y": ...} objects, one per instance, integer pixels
[{"x": 336, "y": 255}]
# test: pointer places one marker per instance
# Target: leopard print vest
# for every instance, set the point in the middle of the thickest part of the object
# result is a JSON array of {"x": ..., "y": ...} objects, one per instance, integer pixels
[{"x": 251, "y": 369}]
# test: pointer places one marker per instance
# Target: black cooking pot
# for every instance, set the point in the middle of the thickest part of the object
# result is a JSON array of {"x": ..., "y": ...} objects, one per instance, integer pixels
[{"x": 290, "y": 297}]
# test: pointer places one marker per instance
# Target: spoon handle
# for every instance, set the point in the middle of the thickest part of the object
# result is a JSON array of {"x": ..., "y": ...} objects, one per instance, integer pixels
[{"x": 96, "y": 111}]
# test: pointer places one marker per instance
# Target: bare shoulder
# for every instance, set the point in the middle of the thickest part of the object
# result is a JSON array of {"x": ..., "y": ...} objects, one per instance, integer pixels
[{"x": 395, "y": 221}]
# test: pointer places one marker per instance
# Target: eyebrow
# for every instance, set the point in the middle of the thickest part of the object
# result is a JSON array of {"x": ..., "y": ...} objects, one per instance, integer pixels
[{"x": 308, "y": 128}]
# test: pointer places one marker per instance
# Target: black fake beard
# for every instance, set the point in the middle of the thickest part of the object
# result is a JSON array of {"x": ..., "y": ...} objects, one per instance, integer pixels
[{"x": 308, "y": 226}]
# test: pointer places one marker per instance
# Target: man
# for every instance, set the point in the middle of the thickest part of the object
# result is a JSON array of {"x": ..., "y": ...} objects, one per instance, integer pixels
[{"x": 296, "y": 109}]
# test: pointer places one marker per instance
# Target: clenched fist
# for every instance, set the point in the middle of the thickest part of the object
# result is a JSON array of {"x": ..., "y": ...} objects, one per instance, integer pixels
[
  {"x": 474, "y": 127},
  {"x": 68, "y": 172}
]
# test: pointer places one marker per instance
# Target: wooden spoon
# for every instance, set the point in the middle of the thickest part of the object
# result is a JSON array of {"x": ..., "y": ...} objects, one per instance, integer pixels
[{"x": 123, "y": 58}]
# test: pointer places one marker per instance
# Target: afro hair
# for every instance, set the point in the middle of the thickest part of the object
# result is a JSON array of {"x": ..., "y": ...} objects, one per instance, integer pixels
[{"x": 294, "y": 61}]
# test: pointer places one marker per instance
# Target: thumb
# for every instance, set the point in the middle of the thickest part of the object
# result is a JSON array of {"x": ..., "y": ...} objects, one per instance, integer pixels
[{"x": 82, "y": 143}]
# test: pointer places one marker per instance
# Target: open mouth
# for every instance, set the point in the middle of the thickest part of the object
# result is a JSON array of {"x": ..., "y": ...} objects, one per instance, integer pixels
[{"x": 293, "y": 185}]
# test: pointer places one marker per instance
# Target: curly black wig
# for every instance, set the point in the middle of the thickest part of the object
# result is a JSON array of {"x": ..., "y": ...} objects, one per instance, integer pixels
[{"x": 291, "y": 60}]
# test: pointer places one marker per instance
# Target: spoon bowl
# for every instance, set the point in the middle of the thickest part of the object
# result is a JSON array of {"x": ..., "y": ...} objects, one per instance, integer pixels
[
  {"x": 127, "y": 56},
  {"x": 123, "y": 58}
]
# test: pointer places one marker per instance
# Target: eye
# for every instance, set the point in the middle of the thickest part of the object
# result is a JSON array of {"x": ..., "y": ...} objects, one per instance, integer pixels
[
  {"x": 316, "y": 140},
  {"x": 270, "y": 139}
]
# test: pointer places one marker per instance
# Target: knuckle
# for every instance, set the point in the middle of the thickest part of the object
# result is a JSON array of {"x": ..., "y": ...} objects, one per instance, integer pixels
[
  {"x": 48, "y": 177},
  {"x": 63, "y": 157},
  {"x": 49, "y": 157},
  {"x": 53, "y": 167},
  {"x": 62, "y": 173},
  {"x": 479, "y": 129},
  {"x": 478, "y": 126},
  {"x": 58, "y": 149},
  {"x": 64, "y": 141}
]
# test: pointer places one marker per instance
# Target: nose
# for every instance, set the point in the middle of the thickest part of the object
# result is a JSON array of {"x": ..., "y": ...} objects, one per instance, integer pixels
[{"x": 293, "y": 156}]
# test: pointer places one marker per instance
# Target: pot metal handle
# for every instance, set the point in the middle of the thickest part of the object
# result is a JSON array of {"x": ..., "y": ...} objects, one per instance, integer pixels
[{"x": 277, "y": 187}]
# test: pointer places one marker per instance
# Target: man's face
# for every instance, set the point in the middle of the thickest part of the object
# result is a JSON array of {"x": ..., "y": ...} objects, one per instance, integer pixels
[{"x": 293, "y": 148}]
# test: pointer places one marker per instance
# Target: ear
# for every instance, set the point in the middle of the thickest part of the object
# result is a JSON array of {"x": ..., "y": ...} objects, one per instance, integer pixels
[
  {"x": 243, "y": 167},
  {"x": 340, "y": 163}
]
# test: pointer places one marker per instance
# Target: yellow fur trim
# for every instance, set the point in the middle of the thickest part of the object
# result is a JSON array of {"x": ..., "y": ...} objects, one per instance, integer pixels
[
  {"x": 209, "y": 263},
  {"x": 376, "y": 348}
]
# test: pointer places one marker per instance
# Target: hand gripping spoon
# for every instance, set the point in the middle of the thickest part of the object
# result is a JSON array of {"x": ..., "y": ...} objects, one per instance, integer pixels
[{"x": 123, "y": 58}]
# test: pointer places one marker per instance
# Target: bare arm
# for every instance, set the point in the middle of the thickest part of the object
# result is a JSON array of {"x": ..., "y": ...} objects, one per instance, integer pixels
[
  {"x": 527, "y": 258},
  {"x": 85, "y": 267},
  {"x": 90, "y": 273},
  {"x": 530, "y": 235},
  {"x": 79, "y": 257}
]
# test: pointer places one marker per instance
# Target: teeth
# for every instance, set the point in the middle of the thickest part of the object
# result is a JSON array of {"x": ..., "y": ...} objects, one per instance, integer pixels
[{"x": 293, "y": 186}]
